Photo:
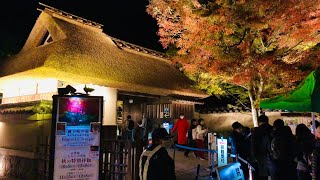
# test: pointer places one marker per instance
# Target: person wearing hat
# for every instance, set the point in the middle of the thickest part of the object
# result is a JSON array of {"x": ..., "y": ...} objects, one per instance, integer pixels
[{"x": 155, "y": 162}]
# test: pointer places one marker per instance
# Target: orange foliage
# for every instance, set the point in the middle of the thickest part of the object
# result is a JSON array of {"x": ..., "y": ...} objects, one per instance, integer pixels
[{"x": 249, "y": 41}]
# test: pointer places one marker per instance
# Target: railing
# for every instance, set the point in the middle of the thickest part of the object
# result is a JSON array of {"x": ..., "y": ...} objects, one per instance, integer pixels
[
  {"x": 43, "y": 154},
  {"x": 118, "y": 158},
  {"x": 212, "y": 163},
  {"x": 28, "y": 98}
]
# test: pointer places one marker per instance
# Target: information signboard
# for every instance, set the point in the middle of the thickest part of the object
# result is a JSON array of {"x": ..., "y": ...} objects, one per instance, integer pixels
[
  {"x": 76, "y": 128},
  {"x": 222, "y": 152}
]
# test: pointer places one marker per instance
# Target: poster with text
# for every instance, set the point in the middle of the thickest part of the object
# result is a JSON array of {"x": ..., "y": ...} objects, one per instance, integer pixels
[{"x": 77, "y": 138}]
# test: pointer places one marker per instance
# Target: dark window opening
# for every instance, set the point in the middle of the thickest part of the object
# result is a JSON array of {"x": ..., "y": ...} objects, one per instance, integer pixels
[{"x": 47, "y": 38}]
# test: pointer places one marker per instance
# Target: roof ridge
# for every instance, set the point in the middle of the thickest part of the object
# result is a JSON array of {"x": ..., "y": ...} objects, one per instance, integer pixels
[
  {"x": 138, "y": 48},
  {"x": 71, "y": 16}
]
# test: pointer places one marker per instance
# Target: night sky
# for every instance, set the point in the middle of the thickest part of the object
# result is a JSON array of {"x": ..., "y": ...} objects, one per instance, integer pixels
[{"x": 123, "y": 19}]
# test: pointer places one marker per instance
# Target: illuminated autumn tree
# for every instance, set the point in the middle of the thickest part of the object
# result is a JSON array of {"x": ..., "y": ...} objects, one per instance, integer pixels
[{"x": 265, "y": 47}]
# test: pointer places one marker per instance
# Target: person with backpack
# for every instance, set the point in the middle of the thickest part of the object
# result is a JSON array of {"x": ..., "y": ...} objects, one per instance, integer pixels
[{"x": 261, "y": 149}]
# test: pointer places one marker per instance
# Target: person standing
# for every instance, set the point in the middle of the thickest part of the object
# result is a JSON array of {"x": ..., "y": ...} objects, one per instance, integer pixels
[
  {"x": 191, "y": 136},
  {"x": 305, "y": 141},
  {"x": 143, "y": 126},
  {"x": 182, "y": 126},
  {"x": 130, "y": 128},
  {"x": 235, "y": 138},
  {"x": 315, "y": 158},
  {"x": 201, "y": 132},
  {"x": 155, "y": 162},
  {"x": 261, "y": 148},
  {"x": 283, "y": 151}
]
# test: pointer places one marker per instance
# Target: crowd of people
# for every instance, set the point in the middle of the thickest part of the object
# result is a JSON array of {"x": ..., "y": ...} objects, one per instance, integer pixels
[
  {"x": 194, "y": 135},
  {"x": 275, "y": 152}
]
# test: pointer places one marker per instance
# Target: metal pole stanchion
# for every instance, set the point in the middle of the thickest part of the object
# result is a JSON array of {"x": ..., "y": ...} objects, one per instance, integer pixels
[
  {"x": 174, "y": 152},
  {"x": 198, "y": 169},
  {"x": 250, "y": 173}
]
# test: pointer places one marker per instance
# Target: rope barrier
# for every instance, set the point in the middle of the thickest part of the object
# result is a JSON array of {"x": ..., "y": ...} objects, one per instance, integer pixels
[
  {"x": 195, "y": 149},
  {"x": 213, "y": 151}
]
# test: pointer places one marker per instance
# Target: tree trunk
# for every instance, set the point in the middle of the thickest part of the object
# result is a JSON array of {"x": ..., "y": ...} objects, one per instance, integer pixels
[
  {"x": 254, "y": 116},
  {"x": 255, "y": 91},
  {"x": 253, "y": 109}
]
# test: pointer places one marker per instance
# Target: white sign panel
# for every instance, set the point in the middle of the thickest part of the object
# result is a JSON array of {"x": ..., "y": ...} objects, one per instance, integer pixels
[
  {"x": 222, "y": 152},
  {"x": 77, "y": 138}
]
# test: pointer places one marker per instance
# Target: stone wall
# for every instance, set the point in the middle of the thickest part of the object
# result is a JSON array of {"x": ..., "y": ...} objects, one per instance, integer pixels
[{"x": 221, "y": 122}]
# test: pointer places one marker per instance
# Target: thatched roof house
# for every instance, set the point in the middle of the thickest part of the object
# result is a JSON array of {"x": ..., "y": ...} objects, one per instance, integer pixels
[
  {"x": 70, "y": 48},
  {"x": 65, "y": 49}
]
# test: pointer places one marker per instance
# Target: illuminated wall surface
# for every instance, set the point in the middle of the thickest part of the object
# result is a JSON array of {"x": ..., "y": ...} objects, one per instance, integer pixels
[{"x": 29, "y": 87}]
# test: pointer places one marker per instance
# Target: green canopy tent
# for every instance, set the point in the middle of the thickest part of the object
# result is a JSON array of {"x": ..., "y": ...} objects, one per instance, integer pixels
[{"x": 305, "y": 98}]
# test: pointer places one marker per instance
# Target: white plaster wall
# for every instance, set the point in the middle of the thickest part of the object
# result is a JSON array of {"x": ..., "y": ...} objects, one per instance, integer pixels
[{"x": 109, "y": 104}]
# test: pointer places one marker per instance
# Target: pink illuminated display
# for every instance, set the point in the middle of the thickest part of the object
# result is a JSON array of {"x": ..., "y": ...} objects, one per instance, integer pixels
[
  {"x": 76, "y": 105},
  {"x": 78, "y": 111}
]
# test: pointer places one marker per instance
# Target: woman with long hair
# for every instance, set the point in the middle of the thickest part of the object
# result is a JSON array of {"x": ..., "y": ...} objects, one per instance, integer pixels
[
  {"x": 191, "y": 136},
  {"x": 201, "y": 132},
  {"x": 305, "y": 141}
]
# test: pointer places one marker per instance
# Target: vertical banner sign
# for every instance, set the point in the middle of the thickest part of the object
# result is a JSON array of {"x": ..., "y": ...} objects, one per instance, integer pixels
[
  {"x": 77, "y": 128},
  {"x": 222, "y": 152}
]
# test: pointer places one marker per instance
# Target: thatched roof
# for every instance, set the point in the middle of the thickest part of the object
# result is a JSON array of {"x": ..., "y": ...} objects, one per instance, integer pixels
[{"x": 82, "y": 53}]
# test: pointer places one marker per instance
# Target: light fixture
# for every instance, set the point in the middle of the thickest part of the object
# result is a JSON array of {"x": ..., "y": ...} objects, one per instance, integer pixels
[{"x": 130, "y": 101}]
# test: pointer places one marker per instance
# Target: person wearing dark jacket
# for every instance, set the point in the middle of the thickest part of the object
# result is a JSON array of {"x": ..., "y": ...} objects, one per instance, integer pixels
[
  {"x": 315, "y": 158},
  {"x": 261, "y": 148},
  {"x": 236, "y": 138},
  {"x": 190, "y": 138},
  {"x": 155, "y": 162},
  {"x": 305, "y": 143},
  {"x": 245, "y": 150},
  {"x": 283, "y": 147}
]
